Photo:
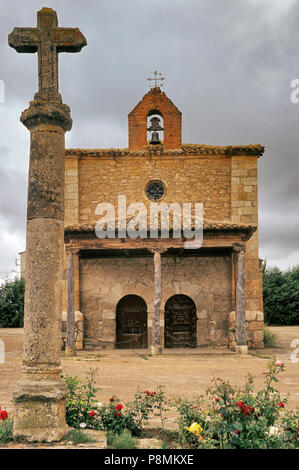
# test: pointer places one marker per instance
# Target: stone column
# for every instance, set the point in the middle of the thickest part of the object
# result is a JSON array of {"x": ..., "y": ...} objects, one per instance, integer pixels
[
  {"x": 70, "y": 349},
  {"x": 40, "y": 395},
  {"x": 241, "y": 345},
  {"x": 156, "y": 327}
]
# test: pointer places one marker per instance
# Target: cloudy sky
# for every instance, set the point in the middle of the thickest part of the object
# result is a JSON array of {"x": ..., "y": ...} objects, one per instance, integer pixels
[{"x": 228, "y": 65}]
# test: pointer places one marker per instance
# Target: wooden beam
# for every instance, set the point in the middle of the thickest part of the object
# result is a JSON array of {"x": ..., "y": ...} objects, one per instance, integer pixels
[{"x": 212, "y": 240}]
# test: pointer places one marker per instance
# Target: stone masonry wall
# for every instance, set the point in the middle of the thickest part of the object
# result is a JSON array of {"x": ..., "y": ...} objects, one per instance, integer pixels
[
  {"x": 206, "y": 280},
  {"x": 186, "y": 179}
]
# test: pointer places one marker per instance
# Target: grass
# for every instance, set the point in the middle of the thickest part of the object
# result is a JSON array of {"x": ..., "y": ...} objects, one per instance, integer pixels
[
  {"x": 5, "y": 431},
  {"x": 121, "y": 441},
  {"x": 270, "y": 339},
  {"x": 142, "y": 356},
  {"x": 78, "y": 437}
]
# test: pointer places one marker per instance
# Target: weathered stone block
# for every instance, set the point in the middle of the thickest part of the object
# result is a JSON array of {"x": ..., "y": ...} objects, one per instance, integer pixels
[
  {"x": 258, "y": 336},
  {"x": 260, "y": 316},
  {"x": 250, "y": 315}
]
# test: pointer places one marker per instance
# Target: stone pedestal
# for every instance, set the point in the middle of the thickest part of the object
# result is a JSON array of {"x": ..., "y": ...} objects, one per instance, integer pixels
[
  {"x": 40, "y": 407},
  {"x": 40, "y": 396},
  {"x": 241, "y": 350},
  {"x": 156, "y": 350}
]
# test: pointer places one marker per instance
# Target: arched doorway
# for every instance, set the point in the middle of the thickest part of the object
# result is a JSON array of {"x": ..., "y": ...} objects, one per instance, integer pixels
[
  {"x": 131, "y": 323},
  {"x": 180, "y": 322}
]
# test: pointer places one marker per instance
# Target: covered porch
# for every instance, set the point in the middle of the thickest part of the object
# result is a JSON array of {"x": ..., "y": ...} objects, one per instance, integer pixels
[{"x": 220, "y": 241}]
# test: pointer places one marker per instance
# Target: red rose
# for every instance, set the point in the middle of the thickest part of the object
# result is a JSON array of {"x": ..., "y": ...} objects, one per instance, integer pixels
[
  {"x": 216, "y": 399},
  {"x": 118, "y": 414},
  {"x": 237, "y": 432},
  {"x": 111, "y": 399},
  {"x": 3, "y": 415},
  {"x": 119, "y": 407},
  {"x": 92, "y": 413},
  {"x": 240, "y": 403},
  {"x": 280, "y": 404}
]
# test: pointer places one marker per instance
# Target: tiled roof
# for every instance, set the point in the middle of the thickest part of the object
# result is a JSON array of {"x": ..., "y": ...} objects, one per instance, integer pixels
[
  {"x": 186, "y": 149},
  {"x": 208, "y": 226}
]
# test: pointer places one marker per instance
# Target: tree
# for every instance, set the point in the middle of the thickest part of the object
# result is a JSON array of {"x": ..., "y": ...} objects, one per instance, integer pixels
[
  {"x": 281, "y": 296},
  {"x": 12, "y": 304}
]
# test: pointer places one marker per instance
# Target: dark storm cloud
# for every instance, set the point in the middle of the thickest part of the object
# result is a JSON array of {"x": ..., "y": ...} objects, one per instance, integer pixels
[{"x": 228, "y": 65}]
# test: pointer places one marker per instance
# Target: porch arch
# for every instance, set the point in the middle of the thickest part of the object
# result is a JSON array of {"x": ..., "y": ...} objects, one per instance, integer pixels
[
  {"x": 180, "y": 322},
  {"x": 131, "y": 323}
]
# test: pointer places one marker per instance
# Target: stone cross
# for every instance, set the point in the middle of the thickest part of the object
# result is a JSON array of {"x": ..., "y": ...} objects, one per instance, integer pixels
[
  {"x": 40, "y": 395},
  {"x": 47, "y": 40}
]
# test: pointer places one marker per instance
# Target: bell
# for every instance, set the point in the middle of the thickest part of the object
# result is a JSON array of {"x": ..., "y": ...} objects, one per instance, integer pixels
[
  {"x": 155, "y": 124},
  {"x": 155, "y": 138}
]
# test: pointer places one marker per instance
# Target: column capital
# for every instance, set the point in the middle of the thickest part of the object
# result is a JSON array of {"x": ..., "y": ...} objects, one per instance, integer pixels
[
  {"x": 43, "y": 114},
  {"x": 72, "y": 251},
  {"x": 157, "y": 250},
  {"x": 238, "y": 248}
]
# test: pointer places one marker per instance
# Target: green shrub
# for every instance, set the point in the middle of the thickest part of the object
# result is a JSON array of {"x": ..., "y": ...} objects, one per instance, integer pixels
[
  {"x": 125, "y": 440},
  {"x": 281, "y": 296},
  {"x": 12, "y": 304},
  {"x": 78, "y": 437},
  {"x": 270, "y": 339},
  {"x": 80, "y": 402}
]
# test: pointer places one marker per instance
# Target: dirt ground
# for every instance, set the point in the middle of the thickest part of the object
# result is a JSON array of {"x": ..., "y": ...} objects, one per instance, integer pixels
[{"x": 184, "y": 373}]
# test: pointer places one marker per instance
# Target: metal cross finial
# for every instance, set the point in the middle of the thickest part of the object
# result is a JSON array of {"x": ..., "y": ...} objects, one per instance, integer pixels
[
  {"x": 47, "y": 40},
  {"x": 156, "y": 78}
]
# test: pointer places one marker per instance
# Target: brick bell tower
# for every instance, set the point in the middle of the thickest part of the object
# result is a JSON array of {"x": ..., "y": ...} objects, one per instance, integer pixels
[{"x": 155, "y": 103}]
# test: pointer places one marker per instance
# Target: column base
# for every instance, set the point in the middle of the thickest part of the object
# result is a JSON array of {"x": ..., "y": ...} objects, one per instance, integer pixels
[
  {"x": 241, "y": 350},
  {"x": 40, "y": 409},
  {"x": 156, "y": 350},
  {"x": 70, "y": 351}
]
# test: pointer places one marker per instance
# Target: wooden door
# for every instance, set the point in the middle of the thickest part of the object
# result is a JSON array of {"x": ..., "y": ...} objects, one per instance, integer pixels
[
  {"x": 131, "y": 323},
  {"x": 180, "y": 322}
]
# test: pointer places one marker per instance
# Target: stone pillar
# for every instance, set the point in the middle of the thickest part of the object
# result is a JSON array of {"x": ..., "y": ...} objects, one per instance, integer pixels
[
  {"x": 70, "y": 349},
  {"x": 241, "y": 344},
  {"x": 40, "y": 395},
  {"x": 156, "y": 327}
]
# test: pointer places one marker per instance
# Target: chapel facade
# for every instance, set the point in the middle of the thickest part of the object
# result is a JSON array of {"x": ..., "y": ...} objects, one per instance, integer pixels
[{"x": 202, "y": 298}]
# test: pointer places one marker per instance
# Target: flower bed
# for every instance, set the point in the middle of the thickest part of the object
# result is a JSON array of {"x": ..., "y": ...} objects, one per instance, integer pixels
[{"x": 226, "y": 417}]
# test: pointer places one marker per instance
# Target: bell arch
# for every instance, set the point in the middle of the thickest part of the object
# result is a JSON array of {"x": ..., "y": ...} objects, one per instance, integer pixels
[
  {"x": 180, "y": 322},
  {"x": 155, "y": 101},
  {"x": 131, "y": 323},
  {"x": 155, "y": 127}
]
